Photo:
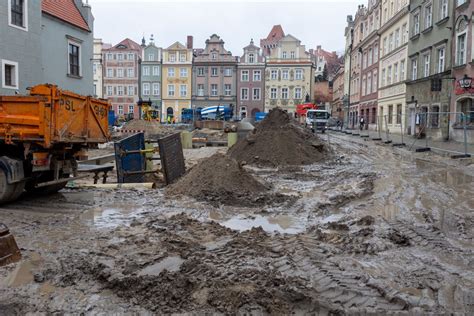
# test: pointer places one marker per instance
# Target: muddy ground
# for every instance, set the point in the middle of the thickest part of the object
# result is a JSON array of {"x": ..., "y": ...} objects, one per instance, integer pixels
[{"x": 376, "y": 230}]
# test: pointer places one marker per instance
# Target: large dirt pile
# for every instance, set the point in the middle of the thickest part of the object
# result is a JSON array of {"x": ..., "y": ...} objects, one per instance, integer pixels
[
  {"x": 278, "y": 141},
  {"x": 221, "y": 180}
]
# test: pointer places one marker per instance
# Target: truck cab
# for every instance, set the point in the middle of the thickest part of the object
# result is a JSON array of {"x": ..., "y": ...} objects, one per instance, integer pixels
[{"x": 317, "y": 120}]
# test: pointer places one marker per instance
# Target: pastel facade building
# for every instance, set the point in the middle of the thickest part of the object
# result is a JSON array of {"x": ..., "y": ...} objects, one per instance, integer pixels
[{"x": 150, "y": 74}]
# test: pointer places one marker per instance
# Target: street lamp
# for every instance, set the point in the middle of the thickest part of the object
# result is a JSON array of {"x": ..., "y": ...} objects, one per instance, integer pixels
[{"x": 465, "y": 82}]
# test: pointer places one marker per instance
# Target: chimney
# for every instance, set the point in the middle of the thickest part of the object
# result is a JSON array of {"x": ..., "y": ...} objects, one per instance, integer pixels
[
  {"x": 189, "y": 42},
  {"x": 311, "y": 51},
  {"x": 318, "y": 47}
]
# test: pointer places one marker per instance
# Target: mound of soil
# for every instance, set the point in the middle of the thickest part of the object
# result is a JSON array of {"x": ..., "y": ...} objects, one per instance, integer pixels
[
  {"x": 221, "y": 180},
  {"x": 280, "y": 141}
]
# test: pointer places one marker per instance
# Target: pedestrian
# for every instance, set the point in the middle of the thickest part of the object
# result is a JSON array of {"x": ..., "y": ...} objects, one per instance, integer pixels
[{"x": 362, "y": 123}]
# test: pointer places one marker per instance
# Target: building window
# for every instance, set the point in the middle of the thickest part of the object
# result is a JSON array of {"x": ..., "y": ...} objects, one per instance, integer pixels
[
  {"x": 256, "y": 93},
  {"x": 443, "y": 11},
  {"x": 284, "y": 75},
  {"x": 228, "y": 72},
  {"x": 292, "y": 55},
  {"x": 299, "y": 74},
  {"x": 397, "y": 38},
  {"x": 146, "y": 88},
  {"x": 284, "y": 93},
  {"x": 120, "y": 72},
  {"x": 214, "y": 71},
  {"x": 171, "y": 90},
  {"x": 434, "y": 116},
  {"x": 426, "y": 65},
  {"x": 404, "y": 34},
  {"x": 244, "y": 75},
  {"x": 370, "y": 57},
  {"x": 257, "y": 75},
  {"x": 130, "y": 90},
  {"x": 172, "y": 57},
  {"x": 376, "y": 53},
  {"x": 244, "y": 94},
  {"x": 385, "y": 47},
  {"x": 200, "y": 90},
  {"x": 183, "y": 72},
  {"x": 120, "y": 90},
  {"x": 273, "y": 93},
  {"x": 441, "y": 59},
  {"x": 120, "y": 56},
  {"x": 156, "y": 89},
  {"x": 369, "y": 83},
  {"x": 251, "y": 58},
  {"x": 151, "y": 57},
  {"x": 214, "y": 56},
  {"x": 399, "y": 114},
  {"x": 110, "y": 90},
  {"x": 183, "y": 90},
  {"x": 182, "y": 57},
  {"x": 18, "y": 14},
  {"x": 110, "y": 73},
  {"x": 131, "y": 108},
  {"x": 416, "y": 24},
  {"x": 390, "y": 114},
  {"x": 390, "y": 42},
  {"x": 364, "y": 86},
  {"x": 156, "y": 71},
  {"x": 395, "y": 73},
  {"x": 200, "y": 71},
  {"x": 389, "y": 75},
  {"x": 10, "y": 74},
  {"x": 74, "y": 59},
  {"x": 214, "y": 90},
  {"x": 466, "y": 106},
  {"x": 120, "y": 109},
  {"x": 283, "y": 55},
  {"x": 374, "y": 86},
  {"x": 170, "y": 72},
  {"x": 109, "y": 56},
  {"x": 227, "y": 89},
  {"x": 298, "y": 94},
  {"x": 146, "y": 71},
  {"x": 131, "y": 72},
  {"x": 274, "y": 74},
  {"x": 402, "y": 70},
  {"x": 131, "y": 56},
  {"x": 461, "y": 49},
  {"x": 460, "y": 2},
  {"x": 428, "y": 16},
  {"x": 414, "y": 69}
]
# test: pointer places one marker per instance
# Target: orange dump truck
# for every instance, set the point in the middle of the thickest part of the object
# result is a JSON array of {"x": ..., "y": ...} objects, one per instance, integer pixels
[{"x": 40, "y": 136}]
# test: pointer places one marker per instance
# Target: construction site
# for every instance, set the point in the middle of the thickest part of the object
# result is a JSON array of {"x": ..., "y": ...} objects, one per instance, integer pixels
[{"x": 226, "y": 218}]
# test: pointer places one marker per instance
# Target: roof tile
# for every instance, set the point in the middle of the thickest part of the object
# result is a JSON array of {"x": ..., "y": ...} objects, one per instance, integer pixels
[{"x": 66, "y": 11}]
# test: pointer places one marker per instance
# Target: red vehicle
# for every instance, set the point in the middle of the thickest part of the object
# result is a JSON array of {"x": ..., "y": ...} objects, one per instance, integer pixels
[{"x": 301, "y": 110}]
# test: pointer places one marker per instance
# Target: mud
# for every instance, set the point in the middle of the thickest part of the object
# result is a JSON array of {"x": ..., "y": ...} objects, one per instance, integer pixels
[
  {"x": 376, "y": 230},
  {"x": 222, "y": 180},
  {"x": 279, "y": 141}
]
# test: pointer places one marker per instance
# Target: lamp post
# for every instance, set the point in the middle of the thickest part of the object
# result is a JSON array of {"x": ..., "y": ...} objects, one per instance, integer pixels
[{"x": 465, "y": 82}]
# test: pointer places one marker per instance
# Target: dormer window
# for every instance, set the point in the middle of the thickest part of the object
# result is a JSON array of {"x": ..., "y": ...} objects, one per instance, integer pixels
[
  {"x": 214, "y": 56},
  {"x": 292, "y": 55},
  {"x": 251, "y": 58},
  {"x": 283, "y": 55}
]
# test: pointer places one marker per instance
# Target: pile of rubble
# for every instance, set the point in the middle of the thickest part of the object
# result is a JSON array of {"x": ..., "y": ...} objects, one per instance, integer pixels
[{"x": 280, "y": 141}]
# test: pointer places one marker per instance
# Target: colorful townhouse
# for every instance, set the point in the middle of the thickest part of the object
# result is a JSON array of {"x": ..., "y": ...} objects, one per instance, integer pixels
[{"x": 150, "y": 74}]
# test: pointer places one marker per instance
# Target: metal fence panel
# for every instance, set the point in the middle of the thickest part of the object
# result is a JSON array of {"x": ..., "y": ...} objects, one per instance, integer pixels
[
  {"x": 172, "y": 159},
  {"x": 132, "y": 162}
]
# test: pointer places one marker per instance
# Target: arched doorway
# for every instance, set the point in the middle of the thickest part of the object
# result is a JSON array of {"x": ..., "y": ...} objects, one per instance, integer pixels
[
  {"x": 254, "y": 112},
  {"x": 169, "y": 115}
]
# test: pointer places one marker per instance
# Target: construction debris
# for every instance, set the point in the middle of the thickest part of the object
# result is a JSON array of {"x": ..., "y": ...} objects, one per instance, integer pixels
[{"x": 278, "y": 141}]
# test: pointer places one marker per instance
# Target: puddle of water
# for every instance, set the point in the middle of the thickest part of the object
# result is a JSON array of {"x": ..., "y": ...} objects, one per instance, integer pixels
[
  {"x": 23, "y": 274},
  {"x": 171, "y": 264},
  {"x": 111, "y": 216},
  {"x": 281, "y": 224}
]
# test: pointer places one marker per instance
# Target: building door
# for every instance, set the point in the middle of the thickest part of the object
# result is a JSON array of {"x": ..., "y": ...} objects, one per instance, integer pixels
[
  {"x": 243, "y": 112},
  {"x": 169, "y": 115}
]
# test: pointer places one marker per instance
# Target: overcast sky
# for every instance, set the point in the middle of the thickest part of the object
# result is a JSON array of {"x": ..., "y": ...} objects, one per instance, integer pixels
[{"x": 316, "y": 22}]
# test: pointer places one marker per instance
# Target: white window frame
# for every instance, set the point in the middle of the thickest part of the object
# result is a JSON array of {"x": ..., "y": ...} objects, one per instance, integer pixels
[
  {"x": 251, "y": 58},
  {"x": 416, "y": 23},
  {"x": 228, "y": 72},
  {"x": 257, "y": 96},
  {"x": 120, "y": 72},
  {"x": 25, "y": 17},
  {"x": 131, "y": 56},
  {"x": 242, "y": 96},
  {"x": 292, "y": 55},
  {"x": 428, "y": 15},
  {"x": 110, "y": 90},
  {"x": 227, "y": 89},
  {"x": 257, "y": 75},
  {"x": 216, "y": 90},
  {"x": 443, "y": 9},
  {"x": 120, "y": 56},
  {"x": 404, "y": 34},
  {"x": 402, "y": 70},
  {"x": 274, "y": 74},
  {"x": 283, "y": 55},
  {"x": 171, "y": 90},
  {"x": 458, "y": 61},
  {"x": 156, "y": 70},
  {"x": 244, "y": 75},
  {"x": 426, "y": 65},
  {"x": 183, "y": 72},
  {"x": 146, "y": 71},
  {"x": 183, "y": 92},
  {"x": 285, "y": 74},
  {"x": 182, "y": 57},
  {"x": 130, "y": 90},
  {"x": 200, "y": 71},
  {"x": 298, "y": 74},
  {"x": 131, "y": 108},
  {"x": 146, "y": 88},
  {"x": 285, "y": 91},
  {"x": 120, "y": 91},
  {"x": 156, "y": 89},
  {"x": 273, "y": 93},
  {"x": 200, "y": 88},
  {"x": 212, "y": 72},
  {"x": 110, "y": 73},
  {"x": 389, "y": 75},
  {"x": 395, "y": 73},
  {"x": 171, "y": 72},
  {"x": 172, "y": 57},
  {"x": 130, "y": 72},
  {"x": 441, "y": 58},
  {"x": 120, "y": 109},
  {"x": 298, "y": 93},
  {"x": 414, "y": 69},
  {"x": 70, "y": 42},
  {"x": 369, "y": 83},
  {"x": 16, "y": 72}
]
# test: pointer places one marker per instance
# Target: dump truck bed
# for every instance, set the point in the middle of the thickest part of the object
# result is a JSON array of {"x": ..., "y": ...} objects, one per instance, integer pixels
[{"x": 49, "y": 116}]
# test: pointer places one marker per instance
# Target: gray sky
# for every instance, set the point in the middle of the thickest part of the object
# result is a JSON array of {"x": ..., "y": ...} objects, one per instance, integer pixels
[{"x": 316, "y": 22}]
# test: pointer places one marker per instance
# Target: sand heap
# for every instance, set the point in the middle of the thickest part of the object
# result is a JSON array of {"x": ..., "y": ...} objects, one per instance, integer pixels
[
  {"x": 221, "y": 180},
  {"x": 278, "y": 141}
]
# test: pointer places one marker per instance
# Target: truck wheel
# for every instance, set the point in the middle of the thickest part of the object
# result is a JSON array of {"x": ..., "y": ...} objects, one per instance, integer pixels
[{"x": 9, "y": 192}]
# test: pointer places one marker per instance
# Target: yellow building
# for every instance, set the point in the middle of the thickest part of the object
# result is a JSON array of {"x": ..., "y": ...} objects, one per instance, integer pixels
[
  {"x": 289, "y": 75},
  {"x": 176, "y": 80}
]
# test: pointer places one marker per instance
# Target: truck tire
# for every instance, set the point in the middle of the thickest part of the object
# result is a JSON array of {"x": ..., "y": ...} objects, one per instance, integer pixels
[{"x": 9, "y": 192}]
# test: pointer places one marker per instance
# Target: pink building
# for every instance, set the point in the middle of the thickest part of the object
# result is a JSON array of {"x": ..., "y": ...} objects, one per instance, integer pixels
[
  {"x": 121, "y": 73},
  {"x": 250, "y": 82}
]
